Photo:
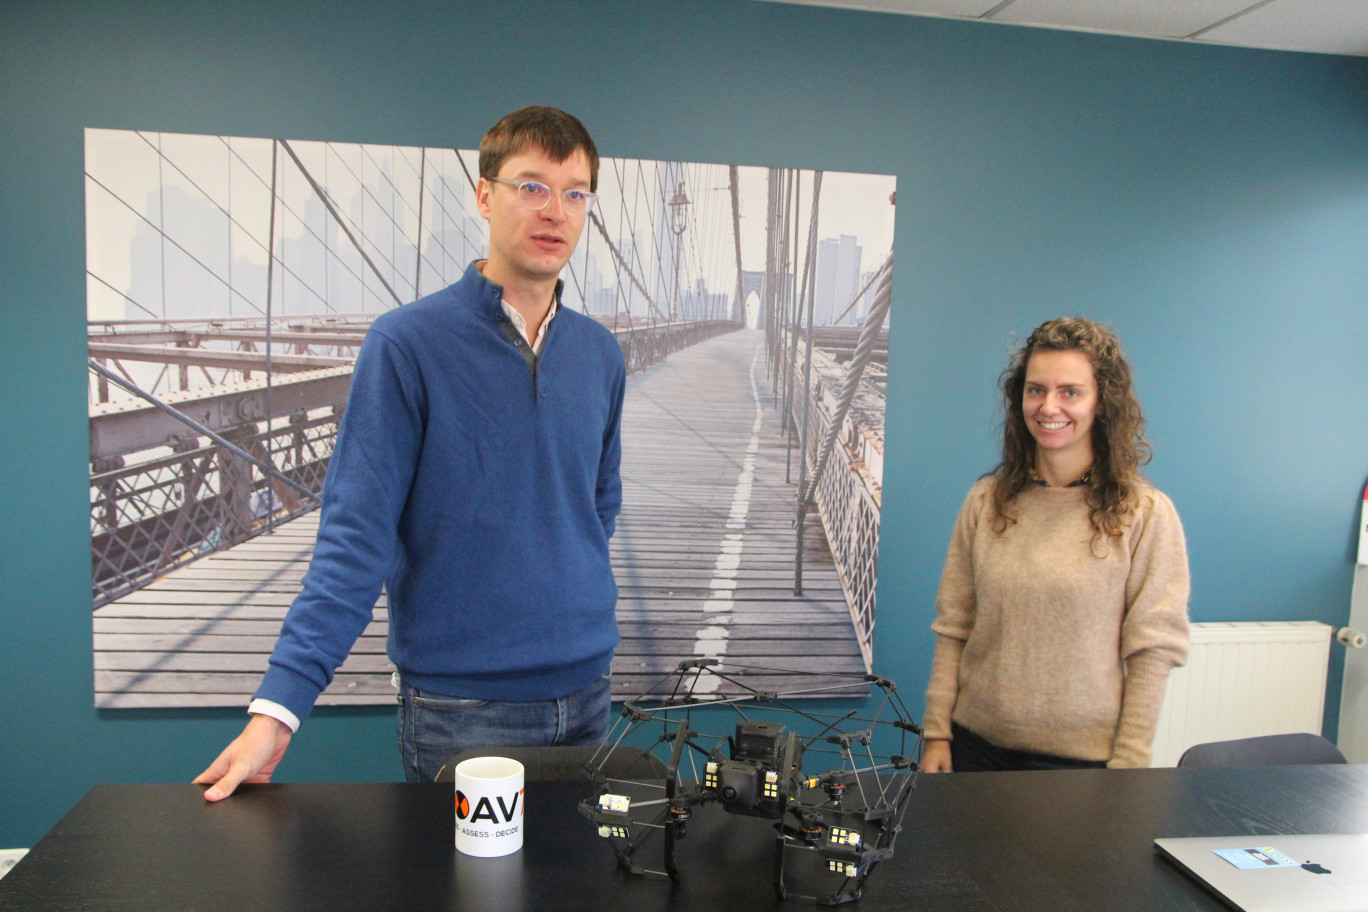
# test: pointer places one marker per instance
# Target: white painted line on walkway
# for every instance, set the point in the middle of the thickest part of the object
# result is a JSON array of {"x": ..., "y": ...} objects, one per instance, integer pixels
[{"x": 712, "y": 639}]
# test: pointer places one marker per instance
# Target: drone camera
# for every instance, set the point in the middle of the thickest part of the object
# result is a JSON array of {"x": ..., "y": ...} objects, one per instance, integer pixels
[
  {"x": 739, "y": 783},
  {"x": 753, "y": 780}
]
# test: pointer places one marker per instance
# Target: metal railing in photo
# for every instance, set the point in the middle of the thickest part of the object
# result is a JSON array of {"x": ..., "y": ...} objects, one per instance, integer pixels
[
  {"x": 207, "y": 494},
  {"x": 848, "y": 502},
  {"x": 830, "y": 383},
  {"x": 197, "y": 495},
  {"x": 646, "y": 345},
  {"x": 839, "y": 489}
]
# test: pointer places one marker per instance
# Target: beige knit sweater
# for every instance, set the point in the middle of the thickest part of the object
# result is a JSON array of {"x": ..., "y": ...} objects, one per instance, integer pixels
[{"x": 1050, "y": 642}]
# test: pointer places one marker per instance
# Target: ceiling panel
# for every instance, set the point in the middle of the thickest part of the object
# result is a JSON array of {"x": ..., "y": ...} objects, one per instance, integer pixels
[
  {"x": 1322, "y": 26},
  {"x": 958, "y": 9},
  {"x": 1325, "y": 26},
  {"x": 1157, "y": 18}
]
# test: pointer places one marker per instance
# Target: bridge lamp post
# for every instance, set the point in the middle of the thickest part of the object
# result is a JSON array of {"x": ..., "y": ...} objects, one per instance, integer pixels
[{"x": 679, "y": 222}]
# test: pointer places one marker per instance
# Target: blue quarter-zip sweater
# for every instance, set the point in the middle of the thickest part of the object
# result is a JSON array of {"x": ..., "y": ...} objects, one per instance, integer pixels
[{"x": 480, "y": 485}]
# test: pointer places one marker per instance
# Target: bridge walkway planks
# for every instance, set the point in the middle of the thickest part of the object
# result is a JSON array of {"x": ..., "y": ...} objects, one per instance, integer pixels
[{"x": 703, "y": 556}]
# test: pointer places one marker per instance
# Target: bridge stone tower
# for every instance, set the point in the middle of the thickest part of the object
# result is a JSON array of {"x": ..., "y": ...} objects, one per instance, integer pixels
[{"x": 751, "y": 281}]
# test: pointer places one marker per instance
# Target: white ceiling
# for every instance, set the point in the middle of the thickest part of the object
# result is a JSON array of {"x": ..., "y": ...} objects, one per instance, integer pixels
[{"x": 1322, "y": 26}]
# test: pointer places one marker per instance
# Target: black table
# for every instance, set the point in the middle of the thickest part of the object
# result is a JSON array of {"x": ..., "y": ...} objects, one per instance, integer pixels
[{"x": 1049, "y": 841}]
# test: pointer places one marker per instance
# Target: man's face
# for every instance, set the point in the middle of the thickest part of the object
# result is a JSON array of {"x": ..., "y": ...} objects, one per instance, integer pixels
[{"x": 532, "y": 244}]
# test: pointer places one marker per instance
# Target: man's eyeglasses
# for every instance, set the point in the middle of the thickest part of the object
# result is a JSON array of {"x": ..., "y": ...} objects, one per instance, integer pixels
[{"x": 535, "y": 195}]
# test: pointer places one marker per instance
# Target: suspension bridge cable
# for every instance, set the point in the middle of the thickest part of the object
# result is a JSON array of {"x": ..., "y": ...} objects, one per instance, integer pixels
[
  {"x": 470, "y": 180},
  {"x": 858, "y": 295},
  {"x": 809, "y": 279},
  {"x": 164, "y": 158},
  {"x": 793, "y": 306},
  {"x": 655, "y": 230},
  {"x": 733, "y": 174},
  {"x": 418, "y": 247},
  {"x": 653, "y": 310},
  {"x": 461, "y": 220},
  {"x": 368, "y": 192},
  {"x": 322, "y": 298},
  {"x": 270, "y": 374},
  {"x": 123, "y": 295},
  {"x": 621, "y": 263},
  {"x": 617, "y": 255},
  {"x": 192, "y": 182},
  {"x": 864, "y": 350},
  {"x": 323, "y": 196},
  {"x": 657, "y": 242},
  {"x": 772, "y": 318},
  {"x": 196, "y": 260}
]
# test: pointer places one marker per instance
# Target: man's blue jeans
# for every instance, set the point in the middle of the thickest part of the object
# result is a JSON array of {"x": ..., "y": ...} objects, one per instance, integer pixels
[{"x": 432, "y": 727}]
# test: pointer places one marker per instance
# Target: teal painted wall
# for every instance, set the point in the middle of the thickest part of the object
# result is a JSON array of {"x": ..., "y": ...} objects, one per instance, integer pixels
[{"x": 1212, "y": 203}]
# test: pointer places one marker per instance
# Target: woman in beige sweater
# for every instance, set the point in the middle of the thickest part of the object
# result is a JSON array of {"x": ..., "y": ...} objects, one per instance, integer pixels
[{"x": 1063, "y": 603}]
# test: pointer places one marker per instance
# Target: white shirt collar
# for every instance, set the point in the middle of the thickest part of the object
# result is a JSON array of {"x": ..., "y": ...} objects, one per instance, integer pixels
[{"x": 521, "y": 325}]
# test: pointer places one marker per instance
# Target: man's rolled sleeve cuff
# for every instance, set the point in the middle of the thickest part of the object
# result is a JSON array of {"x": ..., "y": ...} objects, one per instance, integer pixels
[{"x": 260, "y": 707}]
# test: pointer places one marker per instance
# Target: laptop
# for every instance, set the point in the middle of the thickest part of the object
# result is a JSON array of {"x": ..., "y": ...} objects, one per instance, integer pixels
[{"x": 1278, "y": 873}]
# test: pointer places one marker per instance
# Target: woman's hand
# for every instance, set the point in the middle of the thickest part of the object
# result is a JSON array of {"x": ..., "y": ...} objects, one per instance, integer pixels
[{"x": 936, "y": 756}]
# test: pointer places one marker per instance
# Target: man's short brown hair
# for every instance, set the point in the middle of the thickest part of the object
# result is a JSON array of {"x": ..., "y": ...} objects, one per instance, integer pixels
[{"x": 557, "y": 133}]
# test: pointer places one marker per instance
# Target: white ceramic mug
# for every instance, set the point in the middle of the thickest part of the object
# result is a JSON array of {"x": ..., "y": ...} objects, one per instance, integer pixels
[{"x": 489, "y": 806}]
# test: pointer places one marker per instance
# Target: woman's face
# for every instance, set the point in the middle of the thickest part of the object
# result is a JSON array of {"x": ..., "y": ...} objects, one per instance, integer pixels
[{"x": 1059, "y": 402}]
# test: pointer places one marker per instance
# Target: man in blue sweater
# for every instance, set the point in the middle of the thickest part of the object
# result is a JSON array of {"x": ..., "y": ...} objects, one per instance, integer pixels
[{"x": 475, "y": 476}]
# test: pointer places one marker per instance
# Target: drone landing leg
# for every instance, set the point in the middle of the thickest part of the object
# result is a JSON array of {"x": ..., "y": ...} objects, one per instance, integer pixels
[
  {"x": 841, "y": 896},
  {"x": 850, "y": 891},
  {"x": 680, "y": 737},
  {"x": 779, "y": 887},
  {"x": 670, "y": 868}
]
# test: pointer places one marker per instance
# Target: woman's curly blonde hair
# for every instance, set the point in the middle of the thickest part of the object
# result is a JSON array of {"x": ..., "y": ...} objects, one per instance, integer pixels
[{"x": 1118, "y": 430}]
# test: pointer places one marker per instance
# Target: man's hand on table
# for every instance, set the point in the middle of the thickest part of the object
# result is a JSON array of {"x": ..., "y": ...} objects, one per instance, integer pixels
[{"x": 251, "y": 757}]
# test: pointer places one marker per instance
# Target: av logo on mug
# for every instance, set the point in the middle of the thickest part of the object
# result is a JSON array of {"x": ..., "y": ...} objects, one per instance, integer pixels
[
  {"x": 489, "y": 806},
  {"x": 485, "y": 811}
]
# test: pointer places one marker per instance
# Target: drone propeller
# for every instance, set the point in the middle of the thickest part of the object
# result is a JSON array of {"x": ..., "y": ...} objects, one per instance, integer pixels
[{"x": 806, "y": 827}]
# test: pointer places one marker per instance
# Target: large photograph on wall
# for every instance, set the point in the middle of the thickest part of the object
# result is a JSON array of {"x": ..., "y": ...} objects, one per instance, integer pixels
[{"x": 230, "y": 281}]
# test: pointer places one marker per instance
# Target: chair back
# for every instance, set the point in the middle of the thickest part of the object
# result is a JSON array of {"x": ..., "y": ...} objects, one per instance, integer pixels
[
  {"x": 1266, "y": 750},
  {"x": 564, "y": 763}
]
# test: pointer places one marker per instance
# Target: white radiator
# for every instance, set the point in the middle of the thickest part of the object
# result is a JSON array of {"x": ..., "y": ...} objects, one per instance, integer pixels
[{"x": 1242, "y": 680}]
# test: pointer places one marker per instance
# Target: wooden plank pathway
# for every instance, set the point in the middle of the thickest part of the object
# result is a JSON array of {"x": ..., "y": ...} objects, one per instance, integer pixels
[
  {"x": 703, "y": 556},
  {"x": 705, "y": 545}
]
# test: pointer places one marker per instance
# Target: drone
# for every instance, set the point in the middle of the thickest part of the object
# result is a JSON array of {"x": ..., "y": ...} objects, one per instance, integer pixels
[{"x": 849, "y": 814}]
